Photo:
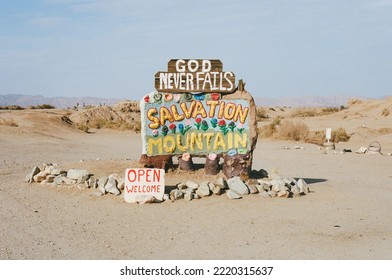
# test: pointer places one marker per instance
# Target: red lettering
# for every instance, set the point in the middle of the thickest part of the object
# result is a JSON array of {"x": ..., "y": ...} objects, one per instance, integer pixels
[
  {"x": 131, "y": 179},
  {"x": 157, "y": 175}
]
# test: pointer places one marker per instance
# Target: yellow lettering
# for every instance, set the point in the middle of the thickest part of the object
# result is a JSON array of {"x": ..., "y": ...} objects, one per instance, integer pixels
[
  {"x": 187, "y": 111},
  {"x": 238, "y": 140},
  {"x": 196, "y": 139},
  {"x": 179, "y": 144},
  {"x": 241, "y": 113},
  {"x": 199, "y": 110},
  {"x": 208, "y": 137},
  {"x": 219, "y": 142},
  {"x": 165, "y": 115},
  {"x": 154, "y": 142},
  {"x": 169, "y": 148},
  {"x": 229, "y": 111},
  {"x": 154, "y": 120},
  {"x": 221, "y": 109},
  {"x": 177, "y": 117},
  {"x": 212, "y": 104},
  {"x": 230, "y": 140}
]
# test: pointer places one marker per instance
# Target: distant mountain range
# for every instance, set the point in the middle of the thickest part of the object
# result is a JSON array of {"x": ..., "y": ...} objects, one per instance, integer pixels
[
  {"x": 66, "y": 102},
  {"x": 58, "y": 102},
  {"x": 304, "y": 101}
]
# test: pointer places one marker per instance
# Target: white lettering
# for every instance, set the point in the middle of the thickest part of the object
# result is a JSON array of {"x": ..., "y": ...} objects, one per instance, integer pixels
[
  {"x": 194, "y": 69},
  {"x": 162, "y": 80},
  {"x": 180, "y": 68},
  {"x": 206, "y": 66},
  {"x": 231, "y": 87}
]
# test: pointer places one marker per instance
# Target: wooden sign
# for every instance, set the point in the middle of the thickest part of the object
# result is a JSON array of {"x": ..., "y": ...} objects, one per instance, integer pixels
[
  {"x": 195, "y": 75},
  {"x": 144, "y": 182}
]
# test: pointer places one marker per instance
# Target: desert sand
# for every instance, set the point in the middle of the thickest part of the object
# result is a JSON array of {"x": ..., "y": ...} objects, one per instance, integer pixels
[{"x": 347, "y": 215}]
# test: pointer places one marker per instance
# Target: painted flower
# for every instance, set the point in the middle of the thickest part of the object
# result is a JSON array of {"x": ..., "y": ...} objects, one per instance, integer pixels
[
  {"x": 222, "y": 123},
  {"x": 231, "y": 126},
  {"x": 198, "y": 123},
  {"x": 183, "y": 129},
  {"x": 199, "y": 96},
  {"x": 240, "y": 127},
  {"x": 158, "y": 96},
  {"x": 177, "y": 97},
  {"x": 181, "y": 126},
  {"x": 168, "y": 97},
  {"x": 214, "y": 122},
  {"x": 172, "y": 127},
  {"x": 147, "y": 98},
  {"x": 165, "y": 130},
  {"x": 204, "y": 125},
  {"x": 155, "y": 133},
  {"x": 222, "y": 126},
  {"x": 215, "y": 96}
]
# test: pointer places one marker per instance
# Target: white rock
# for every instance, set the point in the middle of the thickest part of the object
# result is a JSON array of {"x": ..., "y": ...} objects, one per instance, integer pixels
[
  {"x": 253, "y": 189},
  {"x": 176, "y": 194},
  {"x": 191, "y": 185},
  {"x": 111, "y": 186},
  {"x": 188, "y": 196},
  {"x": 204, "y": 189},
  {"x": 272, "y": 193},
  {"x": 232, "y": 194},
  {"x": 30, "y": 177},
  {"x": 217, "y": 190},
  {"x": 283, "y": 193},
  {"x": 361, "y": 150},
  {"x": 303, "y": 186},
  {"x": 40, "y": 176},
  {"x": 264, "y": 194},
  {"x": 222, "y": 183},
  {"x": 101, "y": 184},
  {"x": 237, "y": 185},
  {"x": 77, "y": 174}
]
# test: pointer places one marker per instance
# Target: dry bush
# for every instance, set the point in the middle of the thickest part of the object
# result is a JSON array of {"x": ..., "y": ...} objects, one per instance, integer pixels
[
  {"x": 339, "y": 135},
  {"x": 269, "y": 130},
  {"x": 82, "y": 127},
  {"x": 261, "y": 114},
  {"x": 304, "y": 112},
  {"x": 353, "y": 102},
  {"x": 11, "y": 107},
  {"x": 8, "y": 122},
  {"x": 316, "y": 137},
  {"x": 329, "y": 110},
  {"x": 289, "y": 130},
  {"x": 385, "y": 112}
]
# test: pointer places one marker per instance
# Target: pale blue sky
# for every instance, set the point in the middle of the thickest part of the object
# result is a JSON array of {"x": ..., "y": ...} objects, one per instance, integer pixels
[{"x": 113, "y": 48}]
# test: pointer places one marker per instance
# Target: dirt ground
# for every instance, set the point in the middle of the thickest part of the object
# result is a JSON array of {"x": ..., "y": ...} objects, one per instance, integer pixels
[{"x": 346, "y": 215}]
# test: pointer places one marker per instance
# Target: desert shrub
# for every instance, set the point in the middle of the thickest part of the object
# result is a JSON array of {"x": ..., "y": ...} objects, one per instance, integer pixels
[
  {"x": 8, "y": 122},
  {"x": 272, "y": 109},
  {"x": 289, "y": 130},
  {"x": 339, "y": 135},
  {"x": 329, "y": 110},
  {"x": 304, "y": 112},
  {"x": 268, "y": 130},
  {"x": 42, "y": 106},
  {"x": 11, "y": 107},
  {"x": 316, "y": 137},
  {"x": 261, "y": 114},
  {"x": 82, "y": 127},
  {"x": 342, "y": 107},
  {"x": 353, "y": 102},
  {"x": 385, "y": 112}
]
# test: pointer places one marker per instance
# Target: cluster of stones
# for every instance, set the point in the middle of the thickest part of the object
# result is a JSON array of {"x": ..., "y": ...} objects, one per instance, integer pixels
[
  {"x": 50, "y": 174},
  {"x": 236, "y": 188}
]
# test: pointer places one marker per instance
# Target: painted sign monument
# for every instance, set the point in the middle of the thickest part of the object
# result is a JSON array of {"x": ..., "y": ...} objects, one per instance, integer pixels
[{"x": 197, "y": 109}]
